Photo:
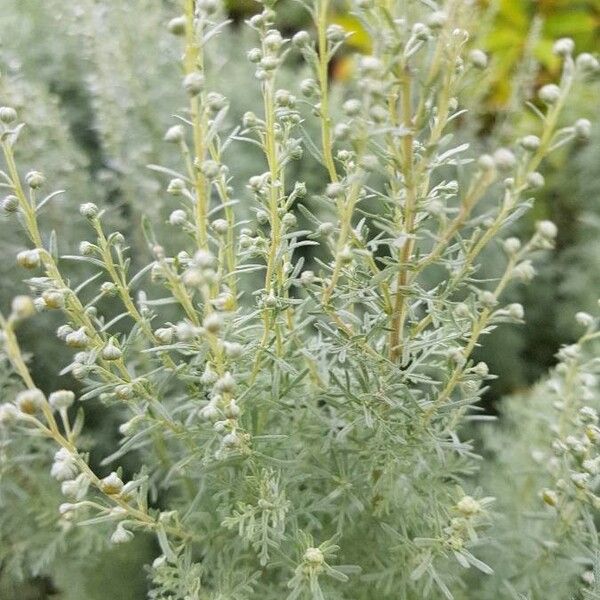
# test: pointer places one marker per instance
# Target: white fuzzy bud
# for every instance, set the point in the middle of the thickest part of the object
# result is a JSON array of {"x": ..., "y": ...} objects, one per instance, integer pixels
[
  {"x": 30, "y": 401},
  {"x": 193, "y": 83},
  {"x": 549, "y": 93},
  {"x": 7, "y": 114},
  {"x": 22, "y": 307},
  {"x": 478, "y": 59},
  {"x": 564, "y": 47},
  {"x": 504, "y": 159},
  {"x": 61, "y": 399},
  {"x": 121, "y": 535},
  {"x": 175, "y": 134},
  {"x": 112, "y": 484}
]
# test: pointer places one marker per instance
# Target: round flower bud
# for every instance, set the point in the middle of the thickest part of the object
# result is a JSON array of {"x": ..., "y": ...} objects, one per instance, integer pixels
[
  {"x": 587, "y": 62},
  {"x": 8, "y": 414},
  {"x": 468, "y": 506},
  {"x": 10, "y": 204},
  {"x": 30, "y": 401},
  {"x": 193, "y": 83},
  {"x": 226, "y": 383},
  {"x": 176, "y": 26},
  {"x": 178, "y": 217},
  {"x": 530, "y": 143},
  {"x": 112, "y": 484},
  {"x": 29, "y": 259},
  {"x": 370, "y": 65},
  {"x": 268, "y": 63},
  {"x": 352, "y": 107},
  {"x": 336, "y": 34},
  {"x": 63, "y": 331},
  {"x": 421, "y": 31},
  {"x": 111, "y": 351},
  {"x": 220, "y": 226},
  {"x": 564, "y": 47},
  {"x": 233, "y": 350},
  {"x": 77, "y": 339},
  {"x": 164, "y": 335},
  {"x": 524, "y": 271},
  {"x": 326, "y": 228},
  {"x": 86, "y": 248},
  {"x": 121, "y": 535},
  {"x": 486, "y": 162},
  {"x": 437, "y": 19},
  {"x": 216, "y": 101},
  {"x": 547, "y": 229},
  {"x": 212, "y": 323},
  {"x": 210, "y": 169},
  {"x": 504, "y": 159},
  {"x": 535, "y": 180},
  {"x": 108, "y": 288},
  {"x": 53, "y": 299},
  {"x": 176, "y": 186},
  {"x": 35, "y": 179},
  {"x": 23, "y": 307},
  {"x": 273, "y": 40},
  {"x": 7, "y": 114},
  {"x": 61, "y": 399},
  {"x": 301, "y": 39},
  {"x": 231, "y": 440},
  {"x": 334, "y": 190},
  {"x": 308, "y": 87},
  {"x": 307, "y": 277},
  {"x": 481, "y": 369},
  {"x": 549, "y": 93},
  {"x": 515, "y": 311},
  {"x": 314, "y": 556},
  {"x": 175, "y": 134},
  {"x": 583, "y": 129},
  {"x": 478, "y": 59},
  {"x": 584, "y": 319},
  {"x": 550, "y": 497},
  {"x": 512, "y": 245},
  {"x": 488, "y": 298},
  {"x": 88, "y": 210},
  {"x": 254, "y": 55},
  {"x": 289, "y": 220}
]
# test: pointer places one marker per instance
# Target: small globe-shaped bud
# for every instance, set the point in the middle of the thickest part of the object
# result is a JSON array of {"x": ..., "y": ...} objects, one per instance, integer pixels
[
  {"x": 77, "y": 339},
  {"x": 437, "y": 19},
  {"x": 225, "y": 384},
  {"x": 352, "y": 107},
  {"x": 587, "y": 62},
  {"x": 111, "y": 351},
  {"x": 112, "y": 484},
  {"x": 86, "y": 248},
  {"x": 28, "y": 259},
  {"x": 468, "y": 506},
  {"x": 524, "y": 271},
  {"x": 478, "y": 58},
  {"x": 488, "y": 299},
  {"x": 301, "y": 39},
  {"x": 212, "y": 323},
  {"x": 583, "y": 129},
  {"x": 121, "y": 535},
  {"x": 307, "y": 277},
  {"x": 164, "y": 335},
  {"x": 308, "y": 87},
  {"x": 176, "y": 26},
  {"x": 530, "y": 143},
  {"x": 535, "y": 180},
  {"x": 175, "y": 134},
  {"x": 512, "y": 245},
  {"x": 210, "y": 169},
  {"x": 231, "y": 440},
  {"x": 481, "y": 369},
  {"x": 193, "y": 83},
  {"x": 254, "y": 55},
  {"x": 273, "y": 40},
  {"x": 61, "y": 399},
  {"x": 88, "y": 210},
  {"x": 232, "y": 410},
  {"x": 54, "y": 299},
  {"x": 176, "y": 186},
  {"x": 22, "y": 307},
  {"x": 584, "y": 319},
  {"x": 421, "y": 31},
  {"x": 486, "y": 162},
  {"x": 335, "y": 190},
  {"x": 504, "y": 159},
  {"x": 336, "y": 33},
  {"x": 564, "y": 47},
  {"x": 547, "y": 229},
  {"x": 178, "y": 217},
  {"x": 268, "y": 63},
  {"x": 10, "y": 204},
  {"x": 63, "y": 331},
  {"x": 233, "y": 350},
  {"x": 370, "y": 65},
  {"x": 216, "y": 101},
  {"x": 220, "y": 226},
  {"x": 7, "y": 114},
  {"x": 209, "y": 376},
  {"x": 284, "y": 98},
  {"x": 108, "y": 288},
  {"x": 550, "y": 497},
  {"x": 326, "y": 228},
  {"x": 550, "y": 93},
  {"x": 314, "y": 557},
  {"x": 341, "y": 131},
  {"x": 346, "y": 255},
  {"x": 30, "y": 401},
  {"x": 289, "y": 220},
  {"x": 35, "y": 179},
  {"x": 8, "y": 414}
]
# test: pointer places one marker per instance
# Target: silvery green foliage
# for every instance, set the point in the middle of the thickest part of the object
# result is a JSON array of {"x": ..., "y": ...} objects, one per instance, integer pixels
[
  {"x": 545, "y": 479},
  {"x": 296, "y": 429}
]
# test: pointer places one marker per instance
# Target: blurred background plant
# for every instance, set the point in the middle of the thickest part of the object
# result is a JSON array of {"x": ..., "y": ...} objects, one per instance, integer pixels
[{"x": 95, "y": 81}]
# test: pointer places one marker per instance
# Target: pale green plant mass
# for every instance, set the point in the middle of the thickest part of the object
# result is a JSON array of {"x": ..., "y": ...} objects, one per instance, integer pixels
[{"x": 276, "y": 308}]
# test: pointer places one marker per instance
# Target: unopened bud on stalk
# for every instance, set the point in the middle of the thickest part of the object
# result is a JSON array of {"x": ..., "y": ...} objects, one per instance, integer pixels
[
  {"x": 61, "y": 399},
  {"x": 176, "y": 26},
  {"x": 35, "y": 179},
  {"x": 22, "y": 307},
  {"x": 30, "y": 401},
  {"x": 7, "y": 114}
]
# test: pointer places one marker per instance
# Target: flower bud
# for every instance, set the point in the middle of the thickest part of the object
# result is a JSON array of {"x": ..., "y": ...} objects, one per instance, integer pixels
[
  {"x": 175, "y": 134},
  {"x": 61, "y": 399},
  {"x": 193, "y": 83},
  {"x": 468, "y": 506},
  {"x": 301, "y": 39},
  {"x": 88, "y": 210},
  {"x": 334, "y": 190},
  {"x": 35, "y": 179},
  {"x": 226, "y": 383},
  {"x": 112, "y": 484},
  {"x": 314, "y": 557},
  {"x": 30, "y": 401},
  {"x": 53, "y": 299},
  {"x": 121, "y": 535},
  {"x": 176, "y": 186},
  {"x": 10, "y": 204},
  {"x": 512, "y": 246},
  {"x": 583, "y": 129},
  {"x": 504, "y": 159},
  {"x": 587, "y": 62},
  {"x": 22, "y": 307},
  {"x": 233, "y": 350},
  {"x": 535, "y": 180},
  {"x": 78, "y": 338},
  {"x": 336, "y": 34},
  {"x": 7, "y": 114},
  {"x": 550, "y": 497},
  {"x": 212, "y": 323},
  {"x": 111, "y": 351},
  {"x": 564, "y": 47},
  {"x": 549, "y": 93},
  {"x": 176, "y": 26},
  {"x": 8, "y": 414},
  {"x": 28, "y": 259},
  {"x": 547, "y": 229},
  {"x": 530, "y": 143},
  {"x": 478, "y": 59}
]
